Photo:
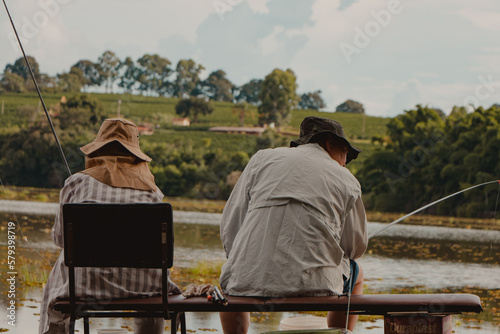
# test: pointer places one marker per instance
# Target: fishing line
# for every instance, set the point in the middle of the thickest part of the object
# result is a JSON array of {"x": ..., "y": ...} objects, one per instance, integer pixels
[
  {"x": 496, "y": 204},
  {"x": 38, "y": 90},
  {"x": 24, "y": 238},
  {"x": 348, "y": 307},
  {"x": 428, "y": 205},
  {"x": 494, "y": 219}
]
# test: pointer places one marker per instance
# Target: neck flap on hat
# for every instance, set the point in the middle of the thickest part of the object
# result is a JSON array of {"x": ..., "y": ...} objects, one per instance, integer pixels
[{"x": 121, "y": 172}]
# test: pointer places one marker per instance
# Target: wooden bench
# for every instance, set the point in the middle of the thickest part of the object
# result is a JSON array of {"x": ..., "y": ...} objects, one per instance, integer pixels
[
  {"x": 430, "y": 307},
  {"x": 403, "y": 313}
]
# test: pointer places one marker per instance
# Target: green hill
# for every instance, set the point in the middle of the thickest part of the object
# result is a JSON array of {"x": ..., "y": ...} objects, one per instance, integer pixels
[{"x": 159, "y": 112}]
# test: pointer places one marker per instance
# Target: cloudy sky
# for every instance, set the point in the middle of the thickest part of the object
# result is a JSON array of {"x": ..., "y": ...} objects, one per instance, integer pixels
[{"x": 387, "y": 54}]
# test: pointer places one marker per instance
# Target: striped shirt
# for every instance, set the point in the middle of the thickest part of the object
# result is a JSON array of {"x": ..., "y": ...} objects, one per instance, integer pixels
[{"x": 100, "y": 283}]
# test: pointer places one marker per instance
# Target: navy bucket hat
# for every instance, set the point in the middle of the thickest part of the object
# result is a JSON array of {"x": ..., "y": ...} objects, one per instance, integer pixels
[{"x": 312, "y": 126}]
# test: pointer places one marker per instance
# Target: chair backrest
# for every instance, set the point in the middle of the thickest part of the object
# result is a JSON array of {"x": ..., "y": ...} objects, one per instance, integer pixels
[
  {"x": 138, "y": 235},
  {"x": 118, "y": 235}
]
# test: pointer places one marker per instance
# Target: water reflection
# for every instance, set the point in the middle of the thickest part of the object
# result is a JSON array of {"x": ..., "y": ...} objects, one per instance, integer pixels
[
  {"x": 383, "y": 274},
  {"x": 405, "y": 259},
  {"x": 457, "y": 251},
  {"x": 197, "y": 235},
  {"x": 435, "y": 233}
]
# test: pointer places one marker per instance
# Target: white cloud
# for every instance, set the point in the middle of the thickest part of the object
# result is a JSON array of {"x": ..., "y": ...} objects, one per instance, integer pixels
[
  {"x": 492, "y": 50},
  {"x": 487, "y": 61},
  {"x": 426, "y": 75},
  {"x": 346, "y": 3},
  {"x": 431, "y": 53},
  {"x": 271, "y": 43},
  {"x": 176, "y": 47},
  {"x": 405, "y": 64},
  {"x": 84, "y": 30},
  {"x": 482, "y": 19},
  {"x": 258, "y": 6},
  {"x": 406, "y": 97}
]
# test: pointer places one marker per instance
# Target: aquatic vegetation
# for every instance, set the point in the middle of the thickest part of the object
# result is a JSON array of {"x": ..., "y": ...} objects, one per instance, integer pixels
[
  {"x": 203, "y": 272},
  {"x": 441, "y": 250}
]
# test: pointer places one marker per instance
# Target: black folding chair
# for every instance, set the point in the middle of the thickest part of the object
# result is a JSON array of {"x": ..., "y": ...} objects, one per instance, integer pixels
[{"x": 118, "y": 235}]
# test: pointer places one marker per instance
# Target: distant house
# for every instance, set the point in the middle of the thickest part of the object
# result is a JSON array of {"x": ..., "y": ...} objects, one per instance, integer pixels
[
  {"x": 238, "y": 130},
  {"x": 146, "y": 129},
  {"x": 181, "y": 121},
  {"x": 289, "y": 133}
]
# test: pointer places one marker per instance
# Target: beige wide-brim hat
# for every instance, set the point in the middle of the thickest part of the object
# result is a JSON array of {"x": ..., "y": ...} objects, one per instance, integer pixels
[{"x": 120, "y": 130}]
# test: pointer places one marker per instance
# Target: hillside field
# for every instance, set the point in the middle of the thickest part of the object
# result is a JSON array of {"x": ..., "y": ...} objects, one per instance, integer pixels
[{"x": 160, "y": 111}]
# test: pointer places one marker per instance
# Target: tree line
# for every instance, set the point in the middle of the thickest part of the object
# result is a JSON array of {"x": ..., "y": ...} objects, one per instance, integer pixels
[
  {"x": 276, "y": 98},
  {"x": 427, "y": 155},
  {"x": 151, "y": 75},
  {"x": 182, "y": 167}
]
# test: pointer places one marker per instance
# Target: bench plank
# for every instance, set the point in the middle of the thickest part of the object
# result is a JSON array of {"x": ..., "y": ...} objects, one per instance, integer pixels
[
  {"x": 375, "y": 304},
  {"x": 385, "y": 303}
]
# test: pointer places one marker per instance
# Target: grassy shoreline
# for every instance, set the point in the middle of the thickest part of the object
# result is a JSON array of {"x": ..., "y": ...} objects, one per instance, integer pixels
[{"x": 216, "y": 206}]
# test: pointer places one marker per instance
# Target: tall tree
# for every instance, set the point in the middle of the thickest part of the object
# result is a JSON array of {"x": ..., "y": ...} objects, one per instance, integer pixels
[
  {"x": 193, "y": 106},
  {"x": 81, "y": 110},
  {"x": 33, "y": 156},
  {"x": 216, "y": 87},
  {"x": 351, "y": 107},
  {"x": 45, "y": 82},
  {"x": 187, "y": 76},
  {"x": 242, "y": 108},
  {"x": 109, "y": 65},
  {"x": 250, "y": 92},
  {"x": 19, "y": 67},
  {"x": 72, "y": 81},
  {"x": 12, "y": 82},
  {"x": 90, "y": 72},
  {"x": 153, "y": 73},
  {"x": 278, "y": 97},
  {"x": 312, "y": 101},
  {"x": 429, "y": 158},
  {"x": 129, "y": 75}
]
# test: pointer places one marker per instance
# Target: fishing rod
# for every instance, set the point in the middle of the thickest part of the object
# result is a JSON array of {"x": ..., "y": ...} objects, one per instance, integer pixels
[
  {"x": 38, "y": 90},
  {"x": 428, "y": 205},
  {"x": 406, "y": 216}
]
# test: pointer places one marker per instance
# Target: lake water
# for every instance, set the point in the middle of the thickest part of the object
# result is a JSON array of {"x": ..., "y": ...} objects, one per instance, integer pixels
[{"x": 404, "y": 259}]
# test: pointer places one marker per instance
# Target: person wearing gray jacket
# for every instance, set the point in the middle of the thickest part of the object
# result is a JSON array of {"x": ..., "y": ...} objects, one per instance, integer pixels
[{"x": 294, "y": 223}]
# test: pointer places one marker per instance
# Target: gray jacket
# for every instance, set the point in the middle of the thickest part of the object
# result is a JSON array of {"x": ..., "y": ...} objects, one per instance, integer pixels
[{"x": 293, "y": 220}]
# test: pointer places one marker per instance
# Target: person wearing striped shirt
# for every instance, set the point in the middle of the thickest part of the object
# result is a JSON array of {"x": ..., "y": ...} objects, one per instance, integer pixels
[{"x": 116, "y": 171}]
